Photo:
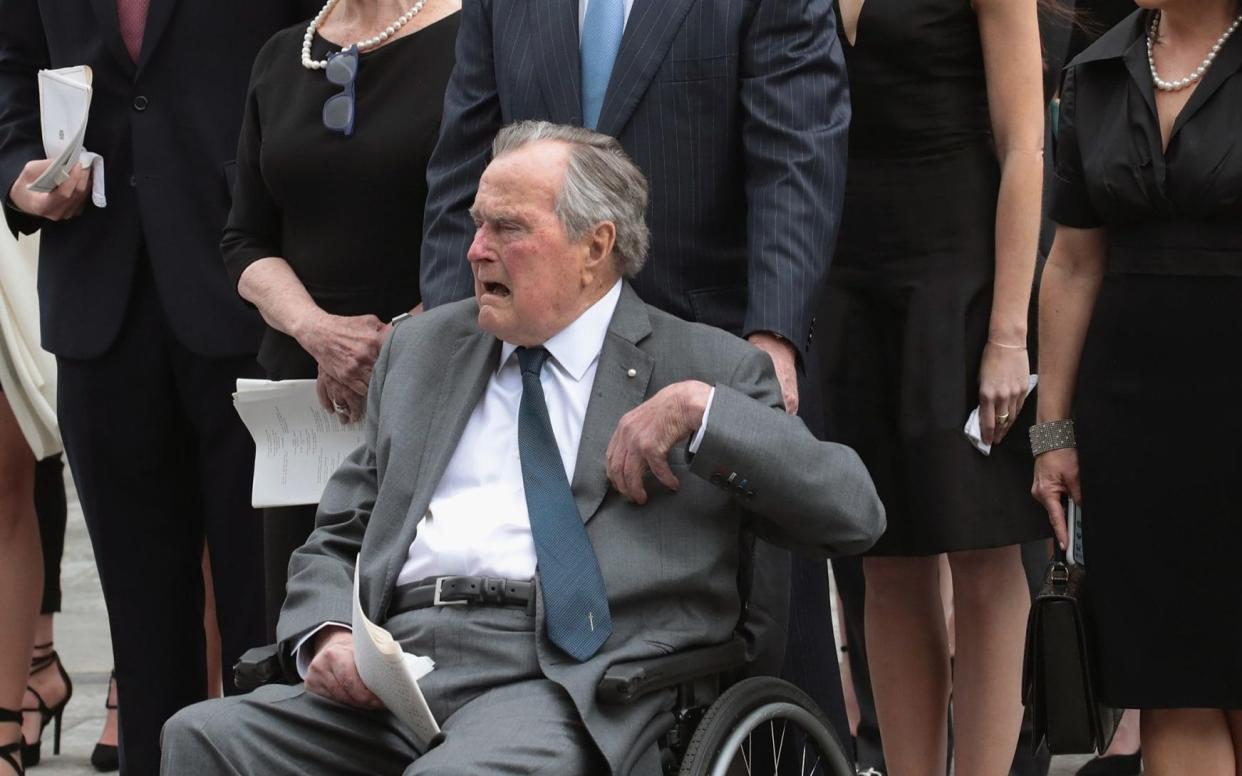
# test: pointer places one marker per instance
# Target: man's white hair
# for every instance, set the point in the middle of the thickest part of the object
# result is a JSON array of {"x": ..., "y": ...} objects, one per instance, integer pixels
[{"x": 601, "y": 184}]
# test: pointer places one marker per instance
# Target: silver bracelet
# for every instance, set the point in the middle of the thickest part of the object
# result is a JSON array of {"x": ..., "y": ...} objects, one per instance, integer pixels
[{"x": 1054, "y": 435}]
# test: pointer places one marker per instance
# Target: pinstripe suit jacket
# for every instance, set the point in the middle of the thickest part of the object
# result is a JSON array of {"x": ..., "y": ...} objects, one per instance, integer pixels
[{"x": 736, "y": 110}]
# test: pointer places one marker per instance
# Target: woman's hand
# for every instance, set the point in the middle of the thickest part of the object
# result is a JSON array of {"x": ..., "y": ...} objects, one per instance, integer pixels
[
  {"x": 338, "y": 399},
  {"x": 1004, "y": 381},
  {"x": 345, "y": 347},
  {"x": 1056, "y": 476}
]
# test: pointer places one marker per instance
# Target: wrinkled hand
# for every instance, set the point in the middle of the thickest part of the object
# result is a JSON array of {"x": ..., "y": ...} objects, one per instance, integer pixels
[
  {"x": 332, "y": 392},
  {"x": 1056, "y": 476},
  {"x": 785, "y": 359},
  {"x": 1004, "y": 378},
  {"x": 333, "y": 674},
  {"x": 345, "y": 347},
  {"x": 646, "y": 434},
  {"x": 65, "y": 201}
]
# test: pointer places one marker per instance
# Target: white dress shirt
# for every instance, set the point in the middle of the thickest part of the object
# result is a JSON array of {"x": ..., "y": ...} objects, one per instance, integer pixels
[
  {"x": 476, "y": 523},
  {"x": 582, "y": 6}
]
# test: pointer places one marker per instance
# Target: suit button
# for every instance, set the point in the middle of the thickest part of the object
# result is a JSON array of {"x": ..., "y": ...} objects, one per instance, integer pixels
[
  {"x": 133, "y": 181},
  {"x": 140, "y": 103}
]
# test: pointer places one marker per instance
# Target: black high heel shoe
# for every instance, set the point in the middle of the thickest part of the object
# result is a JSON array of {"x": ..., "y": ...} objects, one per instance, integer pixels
[
  {"x": 105, "y": 757},
  {"x": 32, "y": 753},
  {"x": 9, "y": 752}
]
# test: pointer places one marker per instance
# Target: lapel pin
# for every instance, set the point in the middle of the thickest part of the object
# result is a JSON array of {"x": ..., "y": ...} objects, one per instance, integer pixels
[{"x": 631, "y": 372}]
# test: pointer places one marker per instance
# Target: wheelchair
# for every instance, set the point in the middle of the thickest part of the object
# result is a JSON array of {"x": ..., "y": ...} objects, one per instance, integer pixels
[{"x": 722, "y": 726}]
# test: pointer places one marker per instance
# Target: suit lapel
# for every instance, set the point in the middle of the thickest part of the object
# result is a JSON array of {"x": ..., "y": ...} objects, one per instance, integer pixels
[
  {"x": 110, "y": 32},
  {"x": 614, "y": 394},
  {"x": 157, "y": 20},
  {"x": 649, "y": 33},
  {"x": 555, "y": 25},
  {"x": 470, "y": 367}
]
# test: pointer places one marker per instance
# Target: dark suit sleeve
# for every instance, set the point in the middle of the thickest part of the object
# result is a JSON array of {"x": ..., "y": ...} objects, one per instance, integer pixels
[
  {"x": 811, "y": 496},
  {"x": 795, "y": 102},
  {"x": 472, "y": 117},
  {"x": 23, "y": 51},
  {"x": 254, "y": 226}
]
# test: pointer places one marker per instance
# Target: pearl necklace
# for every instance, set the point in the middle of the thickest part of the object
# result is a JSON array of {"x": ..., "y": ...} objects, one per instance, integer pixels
[
  {"x": 1174, "y": 86},
  {"x": 363, "y": 45}
]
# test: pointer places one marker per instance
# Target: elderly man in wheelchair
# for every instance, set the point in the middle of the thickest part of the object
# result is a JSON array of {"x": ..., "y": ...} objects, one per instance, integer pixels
[{"x": 550, "y": 503}]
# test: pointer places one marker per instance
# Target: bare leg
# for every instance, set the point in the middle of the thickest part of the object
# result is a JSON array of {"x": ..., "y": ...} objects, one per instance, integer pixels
[
  {"x": 1127, "y": 740},
  {"x": 1177, "y": 739},
  {"x": 211, "y": 629},
  {"x": 21, "y": 567},
  {"x": 907, "y": 650},
  {"x": 992, "y": 600},
  {"x": 1234, "y": 719}
]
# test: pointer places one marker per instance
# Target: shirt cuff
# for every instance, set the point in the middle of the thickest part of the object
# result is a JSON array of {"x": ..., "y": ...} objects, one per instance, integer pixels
[
  {"x": 698, "y": 435},
  {"x": 302, "y": 657}
]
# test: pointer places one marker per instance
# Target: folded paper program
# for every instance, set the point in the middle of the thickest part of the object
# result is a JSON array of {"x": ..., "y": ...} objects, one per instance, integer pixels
[{"x": 64, "y": 107}]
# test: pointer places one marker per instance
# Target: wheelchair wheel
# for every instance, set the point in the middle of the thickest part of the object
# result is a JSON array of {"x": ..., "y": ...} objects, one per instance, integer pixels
[{"x": 765, "y": 725}]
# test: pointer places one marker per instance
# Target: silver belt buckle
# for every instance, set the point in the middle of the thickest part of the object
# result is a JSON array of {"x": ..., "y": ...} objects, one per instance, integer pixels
[{"x": 436, "y": 600}]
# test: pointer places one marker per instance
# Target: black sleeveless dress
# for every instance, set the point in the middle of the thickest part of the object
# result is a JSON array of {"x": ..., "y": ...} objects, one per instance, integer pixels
[
  {"x": 905, "y": 316},
  {"x": 1159, "y": 378}
]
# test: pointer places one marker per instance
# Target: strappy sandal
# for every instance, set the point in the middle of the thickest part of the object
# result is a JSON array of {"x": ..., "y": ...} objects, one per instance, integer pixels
[
  {"x": 105, "y": 757},
  {"x": 9, "y": 752},
  {"x": 32, "y": 753}
]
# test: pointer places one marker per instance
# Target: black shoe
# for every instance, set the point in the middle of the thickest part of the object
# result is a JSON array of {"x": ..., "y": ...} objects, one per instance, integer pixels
[
  {"x": 1113, "y": 765},
  {"x": 106, "y": 757},
  {"x": 32, "y": 753},
  {"x": 9, "y": 753}
]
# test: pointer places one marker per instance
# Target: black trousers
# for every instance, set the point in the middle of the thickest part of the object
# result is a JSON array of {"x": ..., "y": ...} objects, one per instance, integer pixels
[{"x": 161, "y": 461}]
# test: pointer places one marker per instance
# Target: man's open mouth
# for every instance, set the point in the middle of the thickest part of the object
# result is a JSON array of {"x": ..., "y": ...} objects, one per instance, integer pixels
[{"x": 496, "y": 289}]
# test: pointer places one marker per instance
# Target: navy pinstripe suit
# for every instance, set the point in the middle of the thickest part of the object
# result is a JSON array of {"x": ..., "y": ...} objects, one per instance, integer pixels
[{"x": 736, "y": 110}]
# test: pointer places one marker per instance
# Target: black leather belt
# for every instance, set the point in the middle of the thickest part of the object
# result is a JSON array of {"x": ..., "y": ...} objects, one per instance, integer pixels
[{"x": 462, "y": 591}]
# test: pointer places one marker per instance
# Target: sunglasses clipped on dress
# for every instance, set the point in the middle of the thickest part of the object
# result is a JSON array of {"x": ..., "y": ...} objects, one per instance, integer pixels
[{"x": 339, "y": 110}]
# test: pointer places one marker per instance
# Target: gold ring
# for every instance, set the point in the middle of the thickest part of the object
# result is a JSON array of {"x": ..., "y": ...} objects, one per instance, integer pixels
[{"x": 1003, "y": 418}]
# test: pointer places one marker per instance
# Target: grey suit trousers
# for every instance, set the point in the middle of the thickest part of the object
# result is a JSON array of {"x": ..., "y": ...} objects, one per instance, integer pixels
[{"x": 498, "y": 713}]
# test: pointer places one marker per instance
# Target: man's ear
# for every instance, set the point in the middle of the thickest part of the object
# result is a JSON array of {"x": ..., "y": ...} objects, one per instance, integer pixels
[{"x": 601, "y": 240}]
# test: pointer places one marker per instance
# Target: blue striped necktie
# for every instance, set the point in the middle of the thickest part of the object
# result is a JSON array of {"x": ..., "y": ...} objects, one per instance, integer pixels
[
  {"x": 601, "y": 37},
  {"x": 574, "y": 599}
]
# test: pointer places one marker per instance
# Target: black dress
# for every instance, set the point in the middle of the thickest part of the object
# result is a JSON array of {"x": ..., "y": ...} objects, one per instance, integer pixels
[
  {"x": 345, "y": 212},
  {"x": 905, "y": 317},
  {"x": 1159, "y": 379}
]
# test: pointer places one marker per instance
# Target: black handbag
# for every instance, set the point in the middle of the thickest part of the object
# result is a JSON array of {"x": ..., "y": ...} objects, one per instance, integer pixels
[{"x": 1059, "y": 669}]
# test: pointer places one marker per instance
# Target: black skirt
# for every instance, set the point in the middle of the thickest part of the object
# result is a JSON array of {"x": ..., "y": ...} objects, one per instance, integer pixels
[
  {"x": 1158, "y": 432},
  {"x": 902, "y": 326}
]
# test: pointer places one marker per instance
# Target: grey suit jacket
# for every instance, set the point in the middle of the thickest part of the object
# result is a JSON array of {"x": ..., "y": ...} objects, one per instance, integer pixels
[
  {"x": 670, "y": 566},
  {"x": 737, "y": 111}
]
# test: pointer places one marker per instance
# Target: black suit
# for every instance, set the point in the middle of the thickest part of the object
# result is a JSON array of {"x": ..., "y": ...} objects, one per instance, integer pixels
[
  {"x": 737, "y": 113},
  {"x": 148, "y": 332}
]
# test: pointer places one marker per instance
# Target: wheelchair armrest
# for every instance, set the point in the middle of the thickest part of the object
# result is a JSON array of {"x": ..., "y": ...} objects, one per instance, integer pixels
[
  {"x": 626, "y": 682},
  {"x": 257, "y": 667}
]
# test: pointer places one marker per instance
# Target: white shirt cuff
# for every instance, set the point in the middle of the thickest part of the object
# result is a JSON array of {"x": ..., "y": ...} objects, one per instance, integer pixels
[
  {"x": 698, "y": 435},
  {"x": 302, "y": 657}
]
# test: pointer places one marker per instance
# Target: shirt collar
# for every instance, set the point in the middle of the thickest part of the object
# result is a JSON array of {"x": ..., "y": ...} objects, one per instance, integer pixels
[
  {"x": 1126, "y": 39},
  {"x": 576, "y": 346}
]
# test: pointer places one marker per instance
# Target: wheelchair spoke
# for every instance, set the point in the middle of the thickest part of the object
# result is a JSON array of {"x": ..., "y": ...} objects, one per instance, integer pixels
[
  {"x": 746, "y": 752},
  {"x": 777, "y": 750}
]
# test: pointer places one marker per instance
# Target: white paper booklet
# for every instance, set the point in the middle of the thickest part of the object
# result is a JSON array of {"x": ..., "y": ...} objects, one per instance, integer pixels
[
  {"x": 393, "y": 674},
  {"x": 64, "y": 107},
  {"x": 298, "y": 444}
]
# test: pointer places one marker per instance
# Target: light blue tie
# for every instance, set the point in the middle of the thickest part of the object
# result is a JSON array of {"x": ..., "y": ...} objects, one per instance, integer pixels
[
  {"x": 601, "y": 37},
  {"x": 574, "y": 599}
]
